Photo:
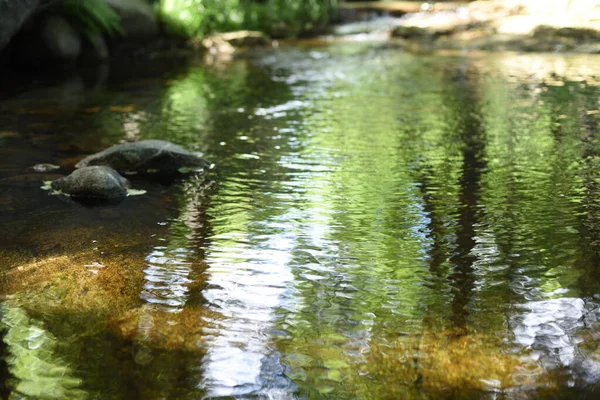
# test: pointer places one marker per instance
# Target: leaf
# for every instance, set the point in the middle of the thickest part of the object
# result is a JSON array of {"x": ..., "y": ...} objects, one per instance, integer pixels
[
  {"x": 135, "y": 192},
  {"x": 123, "y": 109},
  {"x": 47, "y": 185}
]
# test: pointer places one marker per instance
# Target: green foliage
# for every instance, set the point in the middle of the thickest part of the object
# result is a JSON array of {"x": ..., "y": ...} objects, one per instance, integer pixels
[
  {"x": 92, "y": 17},
  {"x": 196, "y": 17},
  {"x": 288, "y": 17},
  {"x": 275, "y": 17}
]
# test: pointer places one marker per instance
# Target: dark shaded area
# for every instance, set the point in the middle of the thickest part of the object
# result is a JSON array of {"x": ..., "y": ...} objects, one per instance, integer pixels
[
  {"x": 463, "y": 99},
  {"x": 14, "y": 13}
]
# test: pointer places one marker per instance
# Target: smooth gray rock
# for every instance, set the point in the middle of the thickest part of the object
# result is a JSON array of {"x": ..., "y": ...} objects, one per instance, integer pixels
[
  {"x": 60, "y": 39},
  {"x": 93, "y": 183},
  {"x": 13, "y": 14},
  {"x": 137, "y": 18},
  {"x": 146, "y": 156},
  {"x": 50, "y": 39}
]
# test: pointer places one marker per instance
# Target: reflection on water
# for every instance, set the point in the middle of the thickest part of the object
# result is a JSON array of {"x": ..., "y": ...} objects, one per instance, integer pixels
[
  {"x": 549, "y": 328},
  {"x": 167, "y": 277},
  {"x": 38, "y": 370},
  {"x": 411, "y": 227},
  {"x": 245, "y": 285}
]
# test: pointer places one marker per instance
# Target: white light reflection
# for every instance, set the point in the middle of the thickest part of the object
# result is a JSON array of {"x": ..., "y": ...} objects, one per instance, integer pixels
[
  {"x": 246, "y": 285},
  {"x": 166, "y": 277},
  {"x": 168, "y": 273},
  {"x": 552, "y": 330},
  {"x": 548, "y": 327}
]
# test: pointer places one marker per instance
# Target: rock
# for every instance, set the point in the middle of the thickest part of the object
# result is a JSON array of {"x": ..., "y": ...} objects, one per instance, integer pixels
[
  {"x": 59, "y": 38},
  {"x": 93, "y": 183},
  {"x": 516, "y": 25},
  {"x": 398, "y": 8},
  {"x": 50, "y": 39},
  {"x": 545, "y": 31},
  {"x": 381, "y": 24},
  {"x": 411, "y": 32},
  {"x": 506, "y": 25},
  {"x": 245, "y": 38},
  {"x": 225, "y": 43},
  {"x": 13, "y": 13},
  {"x": 146, "y": 156},
  {"x": 436, "y": 24},
  {"x": 45, "y": 167},
  {"x": 216, "y": 45},
  {"x": 137, "y": 18}
]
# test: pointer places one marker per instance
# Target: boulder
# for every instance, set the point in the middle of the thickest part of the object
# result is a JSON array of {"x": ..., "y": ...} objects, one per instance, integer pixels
[
  {"x": 50, "y": 39},
  {"x": 60, "y": 39},
  {"x": 411, "y": 32},
  {"x": 13, "y": 14},
  {"x": 145, "y": 156},
  {"x": 244, "y": 38},
  {"x": 226, "y": 43},
  {"x": 137, "y": 18},
  {"x": 432, "y": 25},
  {"x": 93, "y": 183}
]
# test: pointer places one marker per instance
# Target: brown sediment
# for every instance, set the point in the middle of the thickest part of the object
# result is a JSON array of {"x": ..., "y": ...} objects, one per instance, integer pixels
[
  {"x": 431, "y": 365},
  {"x": 87, "y": 269},
  {"x": 81, "y": 281},
  {"x": 166, "y": 329},
  {"x": 102, "y": 291},
  {"x": 123, "y": 109},
  {"x": 440, "y": 364}
]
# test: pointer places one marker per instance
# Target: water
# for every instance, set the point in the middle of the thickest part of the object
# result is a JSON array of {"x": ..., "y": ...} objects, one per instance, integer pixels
[{"x": 378, "y": 225}]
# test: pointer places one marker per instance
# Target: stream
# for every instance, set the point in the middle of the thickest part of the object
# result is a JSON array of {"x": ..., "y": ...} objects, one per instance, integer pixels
[{"x": 378, "y": 225}]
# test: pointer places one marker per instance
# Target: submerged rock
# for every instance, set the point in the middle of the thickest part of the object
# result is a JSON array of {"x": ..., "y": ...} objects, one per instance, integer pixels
[
  {"x": 45, "y": 167},
  {"x": 146, "y": 156},
  {"x": 93, "y": 183}
]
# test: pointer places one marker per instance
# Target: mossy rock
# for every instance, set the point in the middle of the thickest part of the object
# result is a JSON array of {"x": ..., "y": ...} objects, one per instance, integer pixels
[
  {"x": 145, "y": 156},
  {"x": 412, "y": 32},
  {"x": 545, "y": 31},
  {"x": 93, "y": 183}
]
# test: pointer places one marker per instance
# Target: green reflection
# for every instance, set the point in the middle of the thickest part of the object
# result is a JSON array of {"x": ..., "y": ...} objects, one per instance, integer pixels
[
  {"x": 420, "y": 220},
  {"x": 33, "y": 361},
  {"x": 373, "y": 230}
]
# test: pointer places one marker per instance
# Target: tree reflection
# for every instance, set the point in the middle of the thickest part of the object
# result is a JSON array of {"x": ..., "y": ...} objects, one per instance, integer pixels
[{"x": 464, "y": 109}]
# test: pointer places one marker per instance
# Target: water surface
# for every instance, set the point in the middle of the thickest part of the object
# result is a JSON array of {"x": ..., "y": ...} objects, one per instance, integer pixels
[{"x": 379, "y": 225}]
